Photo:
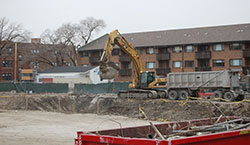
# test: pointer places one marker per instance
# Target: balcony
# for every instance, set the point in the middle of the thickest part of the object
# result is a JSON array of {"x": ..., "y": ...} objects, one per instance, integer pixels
[
  {"x": 203, "y": 68},
  {"x": 163, "y": 56},
  {"x": 94, "y": 59},
  {"x": 124, "y": 58},
  {"x": 246, "y": 53},
  {"x": 162, "y": 71},
  {"x": 203, "y": 55},
  {"x": 246, "y": 69},
  {"x": 125, "y": 72}
]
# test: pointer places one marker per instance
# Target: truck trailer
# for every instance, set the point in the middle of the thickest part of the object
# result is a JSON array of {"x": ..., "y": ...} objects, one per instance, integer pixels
[{"x": 224, "y": 84}]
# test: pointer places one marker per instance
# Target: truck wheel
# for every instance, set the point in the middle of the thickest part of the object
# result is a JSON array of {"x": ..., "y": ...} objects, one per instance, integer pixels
[
  {"x": 229, "y": 96},
  {"x": 217, "y": 94},
  {"x": 183, "y": 95},
  {"x": 173, "y": 95}
]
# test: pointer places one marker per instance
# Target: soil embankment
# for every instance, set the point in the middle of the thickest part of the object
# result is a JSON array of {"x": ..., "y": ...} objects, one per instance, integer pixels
[{"x": 108, "y": 104}]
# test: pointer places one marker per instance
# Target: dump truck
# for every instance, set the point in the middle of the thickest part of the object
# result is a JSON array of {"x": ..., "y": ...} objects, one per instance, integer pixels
[{"x": 224, "y": 84}]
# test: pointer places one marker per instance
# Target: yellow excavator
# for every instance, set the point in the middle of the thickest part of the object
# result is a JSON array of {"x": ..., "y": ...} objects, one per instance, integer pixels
[{"x": 144, "y": 84}]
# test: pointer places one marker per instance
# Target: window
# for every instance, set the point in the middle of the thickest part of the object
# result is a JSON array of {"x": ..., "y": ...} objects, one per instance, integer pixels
[
  {"x": 189, "y": 48},
  {"x": 6, "y": 76},
  {"x": 189, "y": 63},
  {"x": 203, "y": 48},
  {"x": 35, "y": 65},
  {"x": 163, "y": 50},
  {"x": 7, "y": 63},
  {"x": 218, "y": 47},
  {"x": 84, "y": 54},
  {"x": 177, "y": 49},
  {"x": 150, "y": 64},
  {"x": 20, "y": 57},
  {"x": 235, "y": 62},
  {"x": 218, "y": 62},
  {"x": 115, "y": 52},
  {"x": 35, "y": 51},
  {"x": 95, "y": 53},
  {"x": 139, "y": 50},
  {"x": 126, "y": 65},
  {"x": 53, "y": 63},
  {"x": 9, "y": 51},
  {"x": 176, "y": 64},
  {"x": 204, "y": 62},
  {"x": 235, "y": 46},
  {"x": 150, "y": 50},
  {"x": 68, "y": 64}
]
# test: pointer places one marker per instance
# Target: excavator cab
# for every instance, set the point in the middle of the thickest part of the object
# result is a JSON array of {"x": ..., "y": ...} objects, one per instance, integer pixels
[{"x": 146, "y": 79}]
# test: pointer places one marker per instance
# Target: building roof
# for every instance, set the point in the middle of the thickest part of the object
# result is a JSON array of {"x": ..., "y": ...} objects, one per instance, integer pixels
[
  {"x": 215, "y": 34},
  {"x": 67, "y": 69}
]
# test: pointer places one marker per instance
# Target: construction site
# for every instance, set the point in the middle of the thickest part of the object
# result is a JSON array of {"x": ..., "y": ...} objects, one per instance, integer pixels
[
  {"x": 124, "y": 72},
  {"x": 55, "y": 118},
  {"x": 201, "y": 107}
]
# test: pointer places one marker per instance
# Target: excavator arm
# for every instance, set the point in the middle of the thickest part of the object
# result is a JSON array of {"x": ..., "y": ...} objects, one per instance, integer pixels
[{"x": 108, "y": 69}]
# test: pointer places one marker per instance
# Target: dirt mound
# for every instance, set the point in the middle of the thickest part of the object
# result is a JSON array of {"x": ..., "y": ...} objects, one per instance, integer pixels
[{"x": 108, "y": 104}]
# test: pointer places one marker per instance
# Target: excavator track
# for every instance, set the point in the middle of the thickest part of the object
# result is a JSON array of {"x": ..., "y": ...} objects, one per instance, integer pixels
[{"x": 137, "y": 94}]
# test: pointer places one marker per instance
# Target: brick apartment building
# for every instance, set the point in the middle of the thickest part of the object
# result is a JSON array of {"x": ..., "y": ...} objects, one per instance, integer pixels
[
  {"x": 183, "y": 50},
  {"x": 30, "y": 56}
]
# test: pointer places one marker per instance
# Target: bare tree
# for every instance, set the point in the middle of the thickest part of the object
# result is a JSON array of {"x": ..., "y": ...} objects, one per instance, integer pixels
[
  {"x": 53, "y": 55},
  {"x": 90, "y": 26},
  {"x": 11, "y": 32},
  {"x": 75, "y": 35},
  {"x": 64, "y": 40}
]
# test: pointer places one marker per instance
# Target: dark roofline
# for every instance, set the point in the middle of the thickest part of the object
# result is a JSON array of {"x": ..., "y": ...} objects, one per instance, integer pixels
[
  {"x": 67, "y": 69},
  {"x": 215, "y": 34},
  {"x": 175, "y": 29},
  {"x": 94, "y": 40}
]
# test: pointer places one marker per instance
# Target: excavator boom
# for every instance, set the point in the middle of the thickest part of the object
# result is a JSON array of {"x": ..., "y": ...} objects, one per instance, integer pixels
[{"x": 108, "y": 68}]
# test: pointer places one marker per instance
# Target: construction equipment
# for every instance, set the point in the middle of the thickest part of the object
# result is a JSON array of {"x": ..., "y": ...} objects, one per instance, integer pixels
[
  {"x": 224, "y": 84},
  {"x": 144, "y": 83}
]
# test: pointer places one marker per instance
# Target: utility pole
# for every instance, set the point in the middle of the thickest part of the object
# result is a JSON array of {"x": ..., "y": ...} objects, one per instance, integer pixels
[
  {"x": 182, "y": 59},
  {"x": 15, "y": 61}
]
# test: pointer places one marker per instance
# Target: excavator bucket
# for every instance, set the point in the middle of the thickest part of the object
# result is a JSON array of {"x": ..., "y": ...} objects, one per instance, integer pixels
[{"x": 108, "y": 70}]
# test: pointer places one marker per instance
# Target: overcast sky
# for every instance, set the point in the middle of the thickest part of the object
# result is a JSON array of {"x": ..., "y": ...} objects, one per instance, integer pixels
[{"x": 126, "y": 15}]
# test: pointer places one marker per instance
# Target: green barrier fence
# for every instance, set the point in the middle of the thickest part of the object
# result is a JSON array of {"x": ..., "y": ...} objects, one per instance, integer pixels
[
  {"x": 34, "y": 87},
  {"x": 113, "y": 87}
]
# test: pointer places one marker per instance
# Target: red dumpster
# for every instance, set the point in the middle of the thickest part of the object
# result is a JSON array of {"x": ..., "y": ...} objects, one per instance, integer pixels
[{"x": 141, "y": 135}]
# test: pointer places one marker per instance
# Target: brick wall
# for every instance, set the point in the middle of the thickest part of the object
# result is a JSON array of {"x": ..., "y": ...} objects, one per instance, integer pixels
[{"x": 183, "y": 56}]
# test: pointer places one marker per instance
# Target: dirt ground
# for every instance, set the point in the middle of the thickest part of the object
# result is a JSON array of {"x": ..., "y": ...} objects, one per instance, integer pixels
[
  {"x": 51, "y": 128},
  {"x": 106, "y": 104},
  {"x": 35, "y": 118}
]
